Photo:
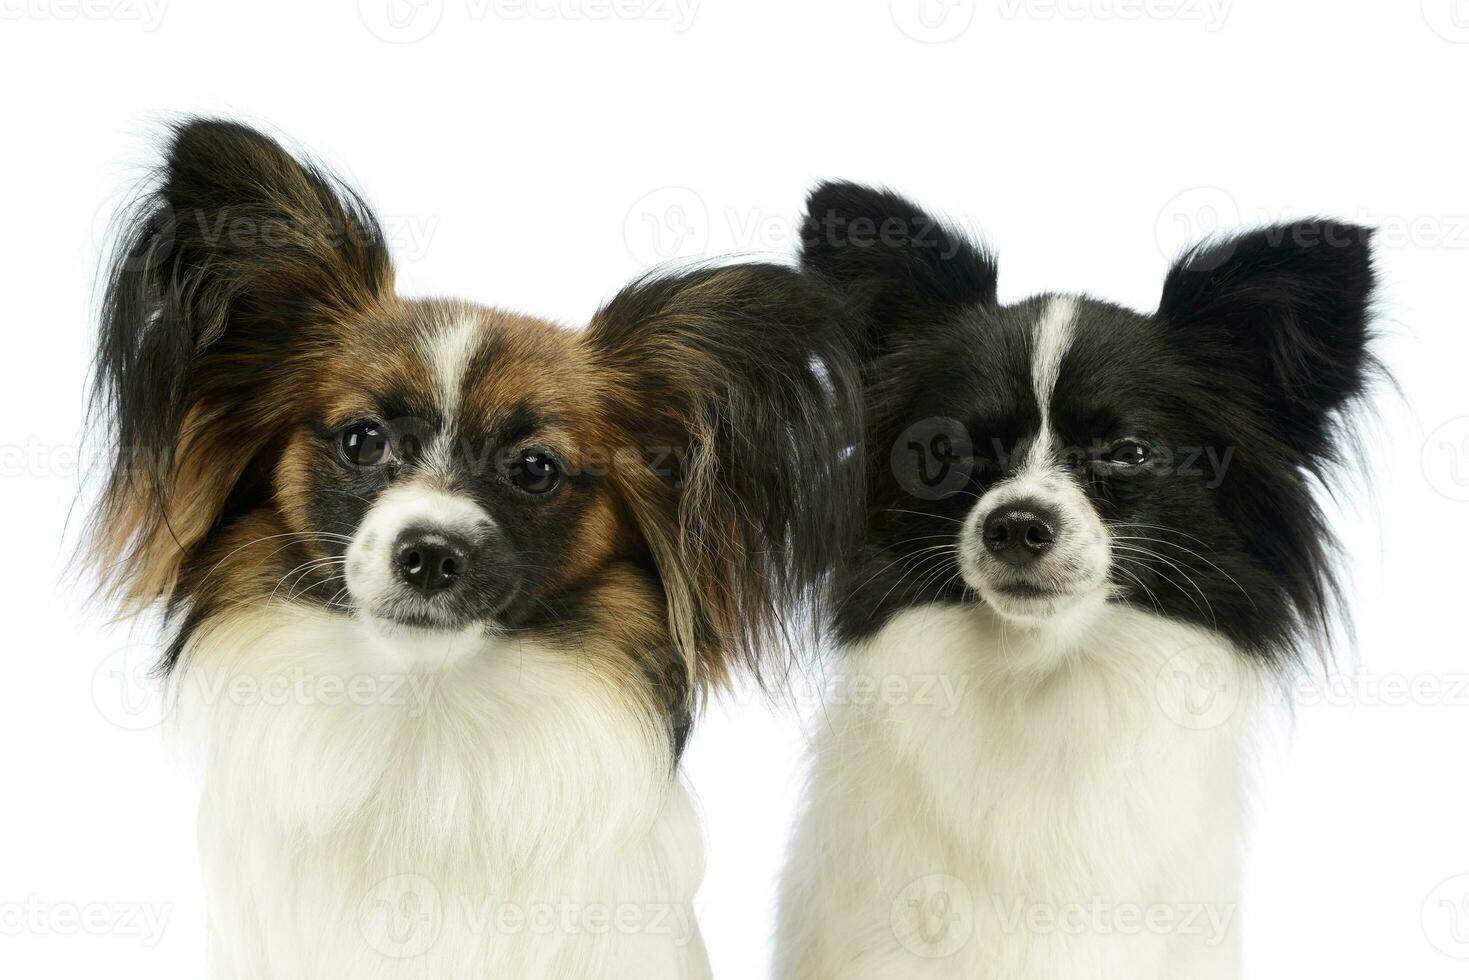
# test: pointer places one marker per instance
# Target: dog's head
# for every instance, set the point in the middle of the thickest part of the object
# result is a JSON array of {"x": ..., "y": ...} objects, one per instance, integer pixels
[
  {"x": 1060, "y": 454},
  {"x": 287, "y": 429}
]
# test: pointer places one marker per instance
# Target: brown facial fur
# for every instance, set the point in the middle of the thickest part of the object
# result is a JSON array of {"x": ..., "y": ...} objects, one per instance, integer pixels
[{"x": 693, "y": 424}]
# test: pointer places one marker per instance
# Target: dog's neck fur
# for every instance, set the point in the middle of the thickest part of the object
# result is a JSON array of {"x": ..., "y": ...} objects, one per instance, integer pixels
[
  {"x": 362, "y": 819},
  {"x": 1082, "y": 775}
]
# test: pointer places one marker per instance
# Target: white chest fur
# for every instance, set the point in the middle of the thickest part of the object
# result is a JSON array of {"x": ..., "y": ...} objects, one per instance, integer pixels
[
  {"x": 511, "y": 815},
  {"x": 994, "y": 803}
]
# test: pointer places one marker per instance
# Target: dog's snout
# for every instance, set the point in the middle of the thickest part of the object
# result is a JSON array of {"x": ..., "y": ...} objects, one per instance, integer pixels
[
  {"x": 1020, "y": 533},
  {"x": 431, "y": 561}
]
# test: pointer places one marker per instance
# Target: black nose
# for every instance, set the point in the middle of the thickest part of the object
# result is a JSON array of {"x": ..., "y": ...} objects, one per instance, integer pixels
[
  {"x": 431, "y": 561},
  {"x": 1020, "y": 533}
]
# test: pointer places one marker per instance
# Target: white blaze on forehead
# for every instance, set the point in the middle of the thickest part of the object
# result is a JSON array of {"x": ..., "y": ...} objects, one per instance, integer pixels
[
  {"x": 1050, "y": 339},
  {"x": 1078, "y": 564},
  {"x": 453, "y": 346}
]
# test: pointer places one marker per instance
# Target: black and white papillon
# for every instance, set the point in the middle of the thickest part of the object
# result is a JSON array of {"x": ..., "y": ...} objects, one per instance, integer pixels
[
  {"x": 444, "y": 584},
  {"x": 1099, "y": 528}
]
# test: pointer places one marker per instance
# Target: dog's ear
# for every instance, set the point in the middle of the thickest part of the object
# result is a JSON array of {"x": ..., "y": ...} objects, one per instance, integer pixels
[
  {"x": 898, "y": 267},
  {"x": 232, "y": 263},
  {"x": 736, "y": 409},
  {"x": 1283, "y": 316}
]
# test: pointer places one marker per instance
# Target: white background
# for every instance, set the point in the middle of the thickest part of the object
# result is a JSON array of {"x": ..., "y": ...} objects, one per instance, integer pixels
[{"x": 536, "y": 154}]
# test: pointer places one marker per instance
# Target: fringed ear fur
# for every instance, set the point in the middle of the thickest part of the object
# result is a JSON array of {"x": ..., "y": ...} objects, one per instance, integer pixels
[
  {"x": 733, "y": 387},
  {"x": 226, "y": 271},
  {"x": 898, "y": 268}
]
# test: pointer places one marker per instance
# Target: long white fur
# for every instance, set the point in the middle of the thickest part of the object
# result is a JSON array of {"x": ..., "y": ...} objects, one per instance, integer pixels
[
  {"x": 1072, "y": 812},
  {"x": 938, "y": 837},
  {"x": 511, "y": 815},
  {"x": 385, "y": 802}
]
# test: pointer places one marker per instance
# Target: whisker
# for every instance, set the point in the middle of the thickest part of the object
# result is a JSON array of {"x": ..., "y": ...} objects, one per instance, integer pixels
[
  {"x": 1148, "y": 554},
  {"x": 1130, "y": 574},
  {"x": 919, "y": 513},
  {"x": 1203, "y": 558}
]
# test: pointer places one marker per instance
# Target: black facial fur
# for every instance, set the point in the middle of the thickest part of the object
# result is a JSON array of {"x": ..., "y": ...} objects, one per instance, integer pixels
[
  {"x": 250, "y": 318},
  {"x": 264, "y": 245},
  {"x": 1238, "y": 386}
]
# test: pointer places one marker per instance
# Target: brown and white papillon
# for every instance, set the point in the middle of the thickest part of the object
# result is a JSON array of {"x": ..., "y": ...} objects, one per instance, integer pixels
[{"x": 444, "y": 584}]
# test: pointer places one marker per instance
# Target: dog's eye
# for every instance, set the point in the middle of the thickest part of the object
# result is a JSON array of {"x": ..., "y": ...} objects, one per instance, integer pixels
[
  {"x": 1129, "y": 454},
  {"x": 366, "y": 443},
  {"x": 535, "y": 471}
]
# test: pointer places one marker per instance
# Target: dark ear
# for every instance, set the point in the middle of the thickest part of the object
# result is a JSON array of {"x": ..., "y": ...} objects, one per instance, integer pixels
[
  {"x": 898, "y": 265},
  {"x": 229, "y": 267},
  {"x": 732, "y": 390},
  {"x": 1286, "y": 310}
]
